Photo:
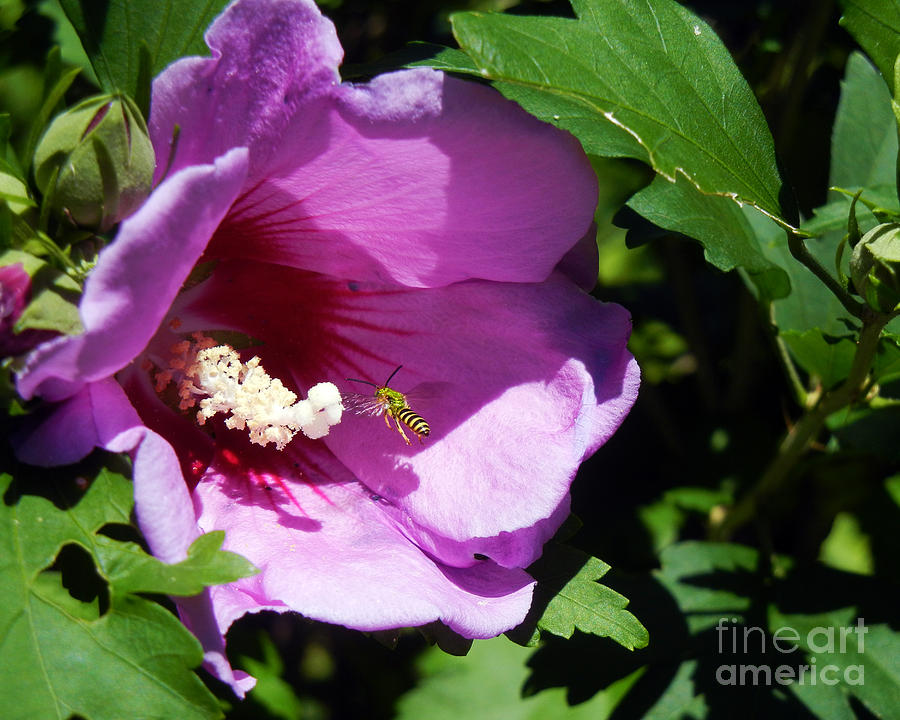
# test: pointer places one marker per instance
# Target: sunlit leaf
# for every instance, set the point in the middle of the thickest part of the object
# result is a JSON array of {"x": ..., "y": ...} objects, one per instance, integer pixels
[
  {"x": 115, "y": 33},
  {"x": 569, "y": 598},
  {"x": 718, "y": 224},
  {"x": 644, "y": 80},
  {"x": 488, "y": 683},
  {"x": 876, "y": 26},
  {"x": 122, "y": 656}
]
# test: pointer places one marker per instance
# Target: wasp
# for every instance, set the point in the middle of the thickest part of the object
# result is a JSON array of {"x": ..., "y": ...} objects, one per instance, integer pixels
[{"x": 391, "y": 404}]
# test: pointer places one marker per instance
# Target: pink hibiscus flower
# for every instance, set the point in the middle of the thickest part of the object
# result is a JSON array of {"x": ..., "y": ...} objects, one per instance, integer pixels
[{"x": 345, "y": 230}]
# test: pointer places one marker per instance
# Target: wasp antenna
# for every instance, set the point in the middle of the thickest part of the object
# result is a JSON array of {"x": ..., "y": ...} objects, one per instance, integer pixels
[
  {"x": 366, "y": 382},
  {"x": 388, "y": 381}
]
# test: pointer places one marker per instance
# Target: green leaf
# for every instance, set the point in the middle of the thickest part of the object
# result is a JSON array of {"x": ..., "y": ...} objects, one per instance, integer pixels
[
  {"x": 864, "y": 138},
  {"x": 866, "y": 656},
  {"x": 67, "y": 657},
  {"x": 48, "y": 108},
  {"x": 718, "y": 224},
  {"x": 864, "y": 153},
  {"x": 645, "y": 80},
  {"x": 887, "y": 360},
  {"x": 572, "y": 599},
  {"x": 826, "y": 357},
  {"x": 870, "y": 430},
  {"x": 65, "y": 36},
  {"x": 488, "y": 682},
  {"x": 847, "y": 547},
  {"x": 271, "y": 691},
  {"x": 703, "y": 603},
  {"x": 129, "y": 569},
  {"x": 875, "y": 24},
  {"x": 114, "y": 32},
  {"x": 54, "y": 296}
]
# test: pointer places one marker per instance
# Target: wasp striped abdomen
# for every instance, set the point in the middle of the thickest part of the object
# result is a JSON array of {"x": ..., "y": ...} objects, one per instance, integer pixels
[{"x": 414, "y": 422}]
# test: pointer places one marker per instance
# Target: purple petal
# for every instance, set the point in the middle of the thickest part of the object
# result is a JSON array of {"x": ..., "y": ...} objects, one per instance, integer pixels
[
  {"x": 198, "y": 616},
  {"x": 269, "y": 58},
  {"x": 328, "y": 550},
  {"x": 519, "y": 383},
  {"x": 164, "y": 509},
  {"x": 416, "y": 178},
  {"x": 65, "y": 433},
  {"x": 137, "y": 277},
  {"x": 581, "y": 263}
]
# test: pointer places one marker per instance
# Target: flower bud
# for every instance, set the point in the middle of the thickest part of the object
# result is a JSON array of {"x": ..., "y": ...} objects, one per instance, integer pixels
[
  {"x": 95, "y": 162},
  {"x": 875, "y": 267}
]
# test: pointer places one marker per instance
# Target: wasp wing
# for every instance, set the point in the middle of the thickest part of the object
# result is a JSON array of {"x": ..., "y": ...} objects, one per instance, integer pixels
[{"x": 360, "y": 404}]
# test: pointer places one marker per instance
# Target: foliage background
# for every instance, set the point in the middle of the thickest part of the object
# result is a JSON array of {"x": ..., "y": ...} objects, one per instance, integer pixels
[{"x": 713, "y": 407}]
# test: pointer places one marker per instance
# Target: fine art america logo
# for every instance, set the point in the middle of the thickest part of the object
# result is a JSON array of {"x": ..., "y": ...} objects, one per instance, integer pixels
[{"x": 746, "y": 642}]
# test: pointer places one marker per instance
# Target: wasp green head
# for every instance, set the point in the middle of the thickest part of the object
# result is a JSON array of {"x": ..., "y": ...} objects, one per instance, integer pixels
[{"x": 395, "y": 401}]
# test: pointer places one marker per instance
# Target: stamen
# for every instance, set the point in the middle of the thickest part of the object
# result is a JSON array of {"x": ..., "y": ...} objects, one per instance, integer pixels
[{"x": 214, "y": 377}]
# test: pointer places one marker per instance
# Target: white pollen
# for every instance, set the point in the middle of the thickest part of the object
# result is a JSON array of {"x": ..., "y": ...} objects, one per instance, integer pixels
[{"x": 213, "y": 377}]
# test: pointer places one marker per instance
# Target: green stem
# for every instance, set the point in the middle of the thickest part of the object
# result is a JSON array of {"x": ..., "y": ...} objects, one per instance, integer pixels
[
  {"x": 800, "y": 393},
  {"x": 802, "y": 254},
  {"x": 807, "y": 429}
]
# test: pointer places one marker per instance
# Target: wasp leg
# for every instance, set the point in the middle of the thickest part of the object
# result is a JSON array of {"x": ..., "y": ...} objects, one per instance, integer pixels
[
  {"x": 387, "y": 420},
  {"x": 400, "y": 430}
]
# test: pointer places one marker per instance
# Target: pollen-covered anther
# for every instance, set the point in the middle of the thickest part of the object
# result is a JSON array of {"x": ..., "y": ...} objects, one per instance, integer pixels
[{"x": 215, "y": 379}]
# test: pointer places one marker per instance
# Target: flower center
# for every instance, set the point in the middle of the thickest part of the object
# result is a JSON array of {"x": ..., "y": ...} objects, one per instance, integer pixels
[{"x": 213, "y": 377}]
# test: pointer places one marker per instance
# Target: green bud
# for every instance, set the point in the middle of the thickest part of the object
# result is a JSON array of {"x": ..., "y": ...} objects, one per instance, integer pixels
[
  {"x": 875, "y": 267},
  {"x": 95, "y": 162}
]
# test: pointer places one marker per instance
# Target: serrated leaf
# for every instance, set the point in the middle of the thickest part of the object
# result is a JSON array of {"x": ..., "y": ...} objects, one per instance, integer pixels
[
  {"x": 113, "y": 34},
  {"x": 569, "y": 597},
  {"x": 686, "y": 564},
  {"x": 488, "y": 683},
  {"x": 869, "y": 654},
  {"x": 718, "y": 224},
  {"x": 590, "y": 607},
  {"x": 129, "y": 569},
  {"x": 875, "y": 24},
  {"x": 645, "y": 80},
  {"x": 132, "y": 661}
]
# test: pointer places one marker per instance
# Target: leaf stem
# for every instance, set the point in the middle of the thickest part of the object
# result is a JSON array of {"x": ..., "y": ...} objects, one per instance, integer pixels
[
  {"x": 807, "y": 428},
  {"x": 802, "y": 254},
  {"x": 801, "y": 395}
]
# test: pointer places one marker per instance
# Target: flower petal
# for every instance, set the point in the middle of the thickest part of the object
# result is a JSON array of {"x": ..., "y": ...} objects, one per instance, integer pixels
[
  {"x": 416, "y": 178},
  {"x": 519, "y": 382},
  {"x": 269, "y": 57},
  {"x": 199, "y": 617},
  {"x": 329, "y": 551},
  {"x": 67, "y": 432},
  {"x": 129, "y": 292}
]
